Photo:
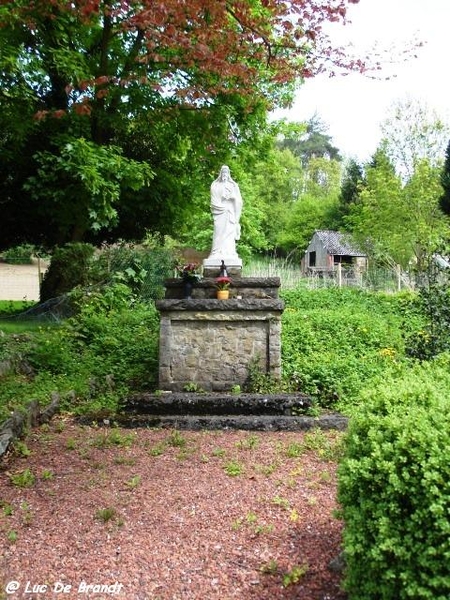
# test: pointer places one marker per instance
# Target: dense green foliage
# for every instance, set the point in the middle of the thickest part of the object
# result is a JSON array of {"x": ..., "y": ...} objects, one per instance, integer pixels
[
  {"x": 108, "y": 348},
  {"x": 19, "y": 255},
  {"x": 143, "y": 268},
  {"x": 433, "y": 303},
  {"x": 114, "y": 113},
  {"x": 444, "y": 200},
  {"x": 337, "y": 342},
  {"x": 394, "y": 488}
]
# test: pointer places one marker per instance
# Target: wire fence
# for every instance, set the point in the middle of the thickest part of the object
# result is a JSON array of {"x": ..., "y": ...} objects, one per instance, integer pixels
[
  {"x": 22, "y": 282},
  {"x": 375, "y": 279}
]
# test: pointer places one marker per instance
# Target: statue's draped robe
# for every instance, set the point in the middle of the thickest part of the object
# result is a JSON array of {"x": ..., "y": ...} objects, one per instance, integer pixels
[{"x": 226, "y": 207}]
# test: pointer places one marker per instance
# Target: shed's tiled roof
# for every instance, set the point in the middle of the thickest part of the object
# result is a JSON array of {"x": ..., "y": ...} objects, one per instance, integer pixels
[{"x": 337, "y": 243}]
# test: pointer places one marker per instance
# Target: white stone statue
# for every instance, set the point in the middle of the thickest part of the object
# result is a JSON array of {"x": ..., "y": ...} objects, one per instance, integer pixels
[{"x": 226, "y": 208}]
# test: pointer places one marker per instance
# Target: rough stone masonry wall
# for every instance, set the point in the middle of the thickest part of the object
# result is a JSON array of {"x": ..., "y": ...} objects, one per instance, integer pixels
[{"x": 212, "y": 343}]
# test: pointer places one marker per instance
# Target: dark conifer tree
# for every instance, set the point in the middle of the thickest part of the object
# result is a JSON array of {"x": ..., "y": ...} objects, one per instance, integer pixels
[
  {"x": 444, "y": 201},
  {"x": 352, "y": 183}
]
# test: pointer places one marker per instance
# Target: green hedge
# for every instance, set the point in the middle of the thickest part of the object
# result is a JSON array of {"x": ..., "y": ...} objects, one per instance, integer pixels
[{"x": 394, "y": 489}]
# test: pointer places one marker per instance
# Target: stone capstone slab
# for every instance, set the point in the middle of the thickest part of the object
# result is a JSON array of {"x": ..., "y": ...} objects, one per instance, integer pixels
[{"x": 244, "y": 287}]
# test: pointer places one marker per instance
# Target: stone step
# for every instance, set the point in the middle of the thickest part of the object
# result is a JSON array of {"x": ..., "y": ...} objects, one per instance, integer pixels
[
  {"x": 198, "y": 404},
  {"x": 232, "y": 422}
]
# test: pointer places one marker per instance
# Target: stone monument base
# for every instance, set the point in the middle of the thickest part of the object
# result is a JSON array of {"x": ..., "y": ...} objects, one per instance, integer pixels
[
  {"x": 211, "y": 266},
  {"x": 213, "y": 343}
]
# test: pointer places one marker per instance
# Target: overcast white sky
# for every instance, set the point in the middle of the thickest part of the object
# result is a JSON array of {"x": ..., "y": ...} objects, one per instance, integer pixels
[{"x": 353, "y": 106}]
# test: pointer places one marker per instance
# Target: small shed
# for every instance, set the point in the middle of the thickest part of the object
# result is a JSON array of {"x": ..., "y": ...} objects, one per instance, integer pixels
[{"x": 327, "y": 249}]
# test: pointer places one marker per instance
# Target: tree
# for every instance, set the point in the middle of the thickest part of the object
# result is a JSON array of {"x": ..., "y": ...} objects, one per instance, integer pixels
[
  {"x": 376, "y": 221},
  {"x": 413, "y": 132},
  {"x": 398, "y": 222},
  {"x": 169, "y": 83},
  {"x": 426, "y": 224},
  {"x": 315, "y": 205},
  {"x": 353, "y": 182},
  {"x": 444, "y": 201},
  {"x": 310, "y": 141},
  {"x": 274, "y": 185}
]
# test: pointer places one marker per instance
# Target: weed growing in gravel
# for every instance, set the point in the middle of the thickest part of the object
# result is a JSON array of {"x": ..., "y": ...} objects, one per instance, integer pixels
[
  {"x": 113, "y": 437},
  {"x": 269, "y": 568},
  {"x": 250, "y": 442},
  {"x": 105, "y": 514},
  {"x": 315, "y": 440},
  {"x": 327, "y": 447},
  {"x": 267, "y": 470},
  {"x": 157, "y": 449},
  {"x": 251, "y": 521},
  {"x": 256, "y": 527},
  {"x": 294, "y": 450},
  {"x": 71, "y": 444},
  {"x": 176, "y": 439},
  {"x": 233, "y": 468},
  {"x": 128, "y": 461},
  {"x": 23, "y": 479},
  {"x": 60, "y": 426},
  {"x": 184, "y": 453},
  {"x": 294, "y": 575},
  {"x": 218, "y": 452},
  {"x": 323, "y": 444},
  {"x": 98, "y": 464},
  {"x": 294, "y": 516},
  {"x": 263, "y": 528},
  {"x": 282, "y": 502},
  {"x": 11, "y": 536},
  {"x": 251, "y": 517},
  {"x": 21, "y": 449},
  {"x": 6, "y": 508},
  {"x": 27, "y": 515},
  {"x": 133, "y": 482},
  {"x": 325, "y": 476},
  {"x": 47, "y": 474}
]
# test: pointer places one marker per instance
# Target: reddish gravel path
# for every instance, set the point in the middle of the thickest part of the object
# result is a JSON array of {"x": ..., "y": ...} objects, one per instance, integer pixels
[{"x": 168, "y": 515}]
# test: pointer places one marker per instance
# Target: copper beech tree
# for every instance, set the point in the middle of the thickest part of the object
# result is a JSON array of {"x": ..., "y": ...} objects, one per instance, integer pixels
[
  {"x": 98, "y": 69},
  {"x": 94, "y": 55}
]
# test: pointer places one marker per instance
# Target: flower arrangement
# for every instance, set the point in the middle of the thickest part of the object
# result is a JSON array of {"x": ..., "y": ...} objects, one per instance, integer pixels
[
  {"x": 188, "y": 271},
  {"x": 223, "y": 283}
]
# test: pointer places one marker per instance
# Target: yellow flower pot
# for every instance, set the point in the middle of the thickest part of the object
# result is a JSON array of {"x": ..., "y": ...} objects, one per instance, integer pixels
[{"x": 223, "y": 294}]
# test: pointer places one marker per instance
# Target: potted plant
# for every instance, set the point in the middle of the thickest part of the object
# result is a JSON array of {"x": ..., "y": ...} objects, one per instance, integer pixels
[
  {"x": 190, "y": 277},
  {"x": 223, "y": 287}
]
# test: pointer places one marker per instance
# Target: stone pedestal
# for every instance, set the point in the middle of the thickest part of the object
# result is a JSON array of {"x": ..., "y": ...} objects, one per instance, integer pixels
[
  {"x": 212, "y": 343},
  {"x": 211, "y": 266}
]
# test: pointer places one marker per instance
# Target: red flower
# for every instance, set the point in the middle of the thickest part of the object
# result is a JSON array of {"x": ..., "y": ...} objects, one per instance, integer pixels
[{"x": 223, "y": 283}]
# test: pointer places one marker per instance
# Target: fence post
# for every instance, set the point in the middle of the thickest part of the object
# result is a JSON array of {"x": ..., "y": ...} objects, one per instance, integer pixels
[
  {"x": 399, "y": 277},
  {"x": 339, "y": 274}
]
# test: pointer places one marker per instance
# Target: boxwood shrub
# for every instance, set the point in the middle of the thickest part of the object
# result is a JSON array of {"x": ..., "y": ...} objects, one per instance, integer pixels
[{"x": 394, "y": 489}]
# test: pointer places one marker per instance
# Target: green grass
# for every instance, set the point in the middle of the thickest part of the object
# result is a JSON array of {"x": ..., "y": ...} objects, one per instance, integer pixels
[
  {"x": 12, "y": 318},
  {"x": 21, "y": 326},
  {"x": 14, "y": 307},
  {"x": 336, "y": 344}
]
